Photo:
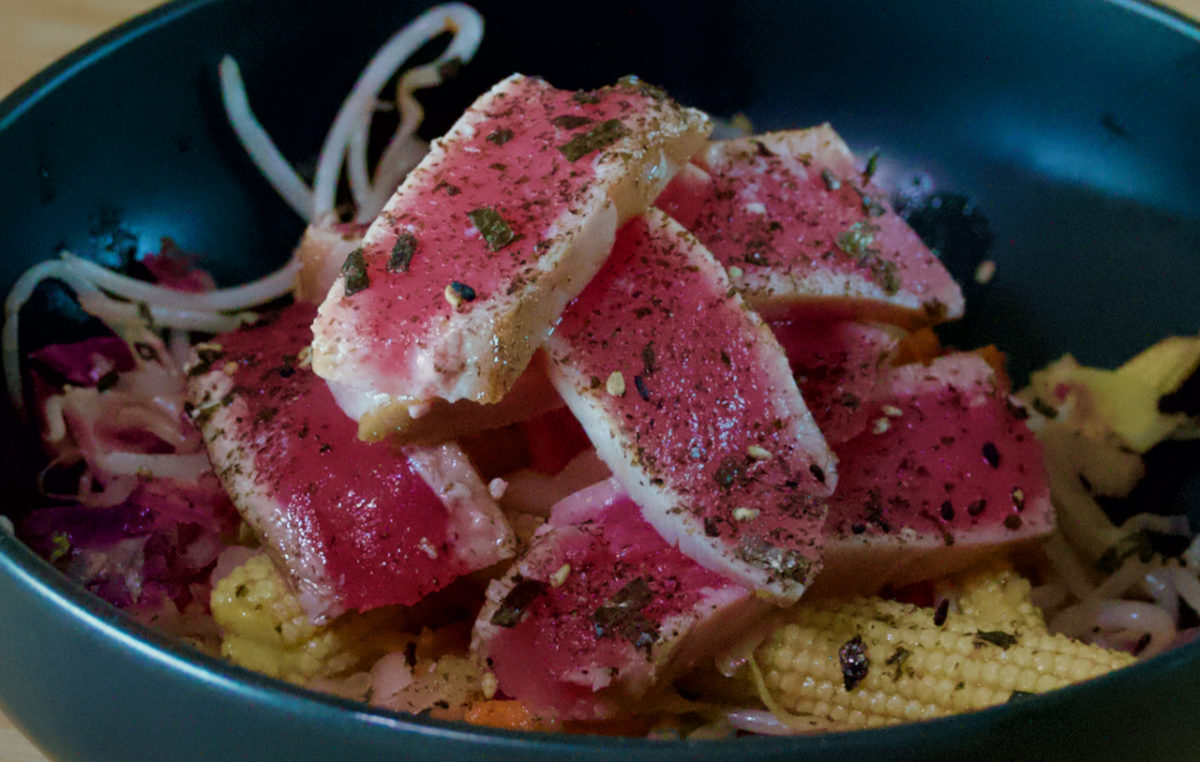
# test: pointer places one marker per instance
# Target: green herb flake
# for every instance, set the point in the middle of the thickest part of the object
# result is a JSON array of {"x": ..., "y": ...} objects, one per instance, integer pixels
[
  {"x": 499, "y": 136},
  {"x": 402, "y": 253},
  {"x": 997, "y": 638},
  {"x": 830, "y": 180},
  {"x": 495, "y": 231},
  {"x": 355, "y": 271},
  {"x": 570, "y": 121},
  {"x": 872, "y": 165},
  {"x": 602, "y": 135},
  {"x": 512, "y": 609},
  {"x": 636, "y": 84},
  {"x": 622, "y": 615},
  {"x": 61, "y": 546},
  {"x": 857, "y": 240},
  {"x": 206, "y": 355}
]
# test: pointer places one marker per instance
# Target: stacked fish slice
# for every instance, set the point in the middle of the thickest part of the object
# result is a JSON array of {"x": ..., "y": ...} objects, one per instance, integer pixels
[{"x": 721, "y": 319}]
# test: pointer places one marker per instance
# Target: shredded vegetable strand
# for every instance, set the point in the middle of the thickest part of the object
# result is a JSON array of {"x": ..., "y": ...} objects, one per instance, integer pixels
[
  {"x": 21, "y": 292},
  {"x": 356, "y": 110},
  {"x": 252, "y": 294},
  {"x": 258, "y": 143},
  {"x": 401, "y": 153}
]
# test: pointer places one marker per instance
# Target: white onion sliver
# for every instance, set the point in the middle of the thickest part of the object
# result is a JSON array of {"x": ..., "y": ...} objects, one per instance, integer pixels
[
  {"x": 1139, "y": 616},
  {"x": 184, "y": 468}
]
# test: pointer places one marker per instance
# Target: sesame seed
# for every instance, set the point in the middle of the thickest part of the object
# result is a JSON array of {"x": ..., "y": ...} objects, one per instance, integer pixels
[
  {"x": 745, "y": 514},
  {"x": 560, "y": 575},
  {"x": 758, "y": 453},
  {"x": 230, "y": 368},
  {"x": 985, "y": 271},
  {"x": 735, "y": 272},
  {"x": 304, "y": 356},
  {"x": 891, "y": 411},
  {"x": 497, "y": 487},
  {"x": 881, "y": 425},
  {"x": 427, "y": 548},
  {"x": 452, "y": 296},
  {"x": 488, "y": 685},
  {"x": 615, "y": 385}
]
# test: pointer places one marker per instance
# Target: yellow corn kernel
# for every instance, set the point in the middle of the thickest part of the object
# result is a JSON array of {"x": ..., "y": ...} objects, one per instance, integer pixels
[
  {"x": 264, "y": 628},
  {"x": 916, "y": 669},
  {"x": 994, "y": 593}
]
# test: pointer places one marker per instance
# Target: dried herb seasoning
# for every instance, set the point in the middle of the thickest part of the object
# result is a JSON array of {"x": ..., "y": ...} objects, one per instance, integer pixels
[
  {"x": 649, "y": 359},
  {"x": 570, "y": 121},
  {"x": 516, "y": 603},
  {"x": 991, "y": 454},
  {"x": 492, "y": 227},
  {"x": 622, "y": 616},
  {"x": 355, "y": 271},
  {"x": 830, "y": 180},
  {"x": 499, "y": 136},
  {"x": 604, "y": 134},
  {"x": 853, "y": 659},
  {"x": 997, "y": 638},
  {"x": 872, "y": 165},
  {"x": 402, "y": 253},
  {"x": 206, "y": 355},
  {"x": 642, "y": 391}
]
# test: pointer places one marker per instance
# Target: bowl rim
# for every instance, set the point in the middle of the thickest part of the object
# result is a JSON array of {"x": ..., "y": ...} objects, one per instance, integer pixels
[{"x": 28, "y": 570}]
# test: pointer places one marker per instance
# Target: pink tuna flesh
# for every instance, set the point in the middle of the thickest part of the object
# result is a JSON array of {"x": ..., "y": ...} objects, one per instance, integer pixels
[
  {"x": 357, "y": 525},
  {"x": 321, "y": 252},
  {"x": 839, "y": 365},
  {"x": 600, "y": 609},
  {"x": 460, "y": 278},
  {"x": 689, "y": 400},
  {"x": 794, "y": 214},
  {"x": 946, "y": 472}
]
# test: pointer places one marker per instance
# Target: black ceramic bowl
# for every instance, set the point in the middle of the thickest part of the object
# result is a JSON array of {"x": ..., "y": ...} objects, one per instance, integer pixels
[{"x": 1070, "y": 126}]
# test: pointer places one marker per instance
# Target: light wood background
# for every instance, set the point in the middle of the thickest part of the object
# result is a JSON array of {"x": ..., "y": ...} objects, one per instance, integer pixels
[{"x": 33, "y": 34}]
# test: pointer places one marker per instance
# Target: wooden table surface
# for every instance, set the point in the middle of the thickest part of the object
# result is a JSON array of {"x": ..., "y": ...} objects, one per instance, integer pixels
[{"x": 33, "y": 34}]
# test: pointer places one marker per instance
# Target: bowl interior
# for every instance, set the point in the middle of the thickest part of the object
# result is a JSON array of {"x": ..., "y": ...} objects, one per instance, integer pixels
[{"x": 1057, "y": 140}]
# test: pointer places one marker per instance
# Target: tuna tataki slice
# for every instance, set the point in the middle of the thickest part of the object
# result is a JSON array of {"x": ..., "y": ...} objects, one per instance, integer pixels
[
  {"x": 600, "y": 610},
  {"x": 689, "y": 400},
  {"x": 321, "y": 251},
  {"x": 945, "y": 473},
  {"x": 839, "y": 365},
  {"x": 357, "y": 525},
  {"x": 460, "y": 278},
  {"x": 792, "y": 212}
]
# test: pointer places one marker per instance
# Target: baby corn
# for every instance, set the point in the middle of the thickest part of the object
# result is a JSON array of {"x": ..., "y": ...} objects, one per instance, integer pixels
[
  {"x": 869, "y": 662},
  {"x": 994, "y": 594}
]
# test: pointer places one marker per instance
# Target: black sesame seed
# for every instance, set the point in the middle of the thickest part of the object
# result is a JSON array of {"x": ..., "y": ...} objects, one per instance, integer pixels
[
  {"x": 947, "y": 510},
  {"x": 991, "y": 454},
  {"x": 463, "y": 290}
]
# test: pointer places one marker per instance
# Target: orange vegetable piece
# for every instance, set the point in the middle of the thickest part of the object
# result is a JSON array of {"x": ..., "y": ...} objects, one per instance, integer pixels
[{"x": 507, "y": 714}]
